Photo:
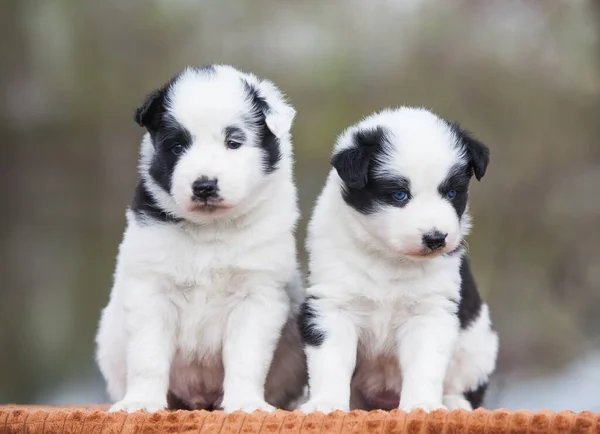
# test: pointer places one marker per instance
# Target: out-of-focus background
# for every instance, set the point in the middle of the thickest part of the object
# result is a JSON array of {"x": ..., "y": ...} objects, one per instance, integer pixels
[{"x": 523, "y": 76}]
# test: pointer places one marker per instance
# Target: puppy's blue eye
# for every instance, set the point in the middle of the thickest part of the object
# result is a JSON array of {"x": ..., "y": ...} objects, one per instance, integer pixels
[
  {"x": 232, "y": 144},
  {"x": 177, "y": 149},
  {"x": 400, "y": 196},
  {"x": 451, "y": 194}
]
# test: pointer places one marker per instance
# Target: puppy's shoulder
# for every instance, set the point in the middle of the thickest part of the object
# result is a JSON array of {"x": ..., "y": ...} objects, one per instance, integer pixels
[{"x": 149, "y": 243}]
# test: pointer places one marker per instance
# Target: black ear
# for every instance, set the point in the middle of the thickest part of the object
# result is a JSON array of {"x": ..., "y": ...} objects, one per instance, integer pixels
[
  {"x": 352, "y": 165},
  {"x": 149, "y": 113},
  {"x": 478, "y": 153}
]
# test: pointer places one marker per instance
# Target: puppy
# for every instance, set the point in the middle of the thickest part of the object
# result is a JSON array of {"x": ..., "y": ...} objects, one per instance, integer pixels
[
  {"x": 206, "y": 292},
  {"x": 393, "y": 317}
]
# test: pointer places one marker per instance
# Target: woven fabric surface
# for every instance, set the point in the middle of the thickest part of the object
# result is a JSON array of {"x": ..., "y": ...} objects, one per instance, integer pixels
[{"x": 95, "y": 420}]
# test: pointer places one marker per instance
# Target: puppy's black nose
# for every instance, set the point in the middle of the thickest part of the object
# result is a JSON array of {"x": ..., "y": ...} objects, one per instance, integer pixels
[
  {"x": 204, "y": 188},
  {"x": 435, "y": 240}
]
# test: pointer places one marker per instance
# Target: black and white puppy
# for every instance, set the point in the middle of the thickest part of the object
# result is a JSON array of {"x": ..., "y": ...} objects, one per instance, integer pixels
[
  {"x": 393, "y": 317},
  {"x": 206, "y": 292}
]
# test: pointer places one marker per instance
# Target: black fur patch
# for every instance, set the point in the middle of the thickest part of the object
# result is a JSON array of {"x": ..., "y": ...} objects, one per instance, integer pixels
[
  {"x": 257, "y": 121},
  {"x": 469, "y": 306},
  {"x": 357, "y": 166},
  {"x": 476, "y": 151},
  {"x": 169, "y": 135},
  {"x": 145, "y": 207},
  {"x": 150, "y": 112},
  {"x": 354, "y": 164},
  {"x": 458, "y": 180},
  {"x": 309, "y": 331},
  {"x": 234, "y": 133},
  {"x": 475, "y": 397}
]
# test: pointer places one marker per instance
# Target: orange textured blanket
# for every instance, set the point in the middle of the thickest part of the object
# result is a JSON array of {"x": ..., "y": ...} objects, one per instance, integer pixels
[{"x": 94, "y": 420}]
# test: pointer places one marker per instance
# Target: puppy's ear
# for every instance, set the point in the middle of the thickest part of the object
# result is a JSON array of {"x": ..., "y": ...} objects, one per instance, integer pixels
[
  {"x": 280, "y": 120},
  {"x": 352, "y": 164},
  {"x": 477, "y": 152},
  {"x": 149, "y": 113},
  {"x": 279, "y": 114}
]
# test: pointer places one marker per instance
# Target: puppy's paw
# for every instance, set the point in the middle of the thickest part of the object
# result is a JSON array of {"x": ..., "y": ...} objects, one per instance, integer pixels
[
  {"x": 323, "y": 406},
  {"x": 456, "y": 402},
  {"x": 247, "y": 406},
  {"x": 426, "y": 406},
  {"x": 131, "y": 406}
]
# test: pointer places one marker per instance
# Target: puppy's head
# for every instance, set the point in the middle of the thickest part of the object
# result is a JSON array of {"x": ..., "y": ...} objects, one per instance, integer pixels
[
  {"x": 215, "y": 135},
  {"x": 406, "y": 172}
]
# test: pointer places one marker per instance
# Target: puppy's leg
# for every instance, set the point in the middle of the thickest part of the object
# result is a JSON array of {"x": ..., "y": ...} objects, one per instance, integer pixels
[
  {"x": 111, "y": 349},
  {"x": 472, "y": 362},
  {"x": 331, "y": 341},
  {"x": 150, "y": 321},
  {"x": 253, "y": 330},
  {"x": 287, "y": 377},
  {"x": 425, "y": 343}
]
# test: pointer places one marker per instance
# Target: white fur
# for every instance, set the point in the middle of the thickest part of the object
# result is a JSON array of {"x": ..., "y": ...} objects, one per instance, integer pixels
[
  {"x": 200, "y": 305},
  {"x": 387, "y": 313}
]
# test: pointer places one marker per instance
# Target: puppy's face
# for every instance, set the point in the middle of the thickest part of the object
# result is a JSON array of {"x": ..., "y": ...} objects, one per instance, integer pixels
[
  {"x": 215, "y": 136},
  {"x": 406, "y": 172}
]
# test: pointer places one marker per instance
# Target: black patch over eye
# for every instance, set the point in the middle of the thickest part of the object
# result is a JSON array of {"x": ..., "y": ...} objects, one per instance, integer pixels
[
  {"x": 390, "y": 191},
  {"x": 393, "y": 191},
  {"x": 455, "y": 188},
  {"x": 234, "y": 137},
  {"x": 170, "y": 141},
  {"x": 358, "y": 167}
]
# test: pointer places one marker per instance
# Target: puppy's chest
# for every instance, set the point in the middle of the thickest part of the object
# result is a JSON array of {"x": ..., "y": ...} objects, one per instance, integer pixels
[
  {"x": 382, "y": 312},
  {"x": 208, "y": 282},
  {"x": 202, "y": 316},
  {"x": 378, "y": 323},
  {"x": 211, "y": 266}
]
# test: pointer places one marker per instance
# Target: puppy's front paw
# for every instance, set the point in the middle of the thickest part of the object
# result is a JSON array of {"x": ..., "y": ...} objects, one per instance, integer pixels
[
  {"x": 131, "y": 406},
  {"x": 457, "y": 402},
  {"x": 247, "y": 406},
  {"x": 427, "y": 406},
  {"x": 323, "y": 406}
]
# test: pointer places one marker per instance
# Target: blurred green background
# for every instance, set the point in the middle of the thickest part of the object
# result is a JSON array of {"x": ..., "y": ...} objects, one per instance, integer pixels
[{"x": 523, "y": 76}]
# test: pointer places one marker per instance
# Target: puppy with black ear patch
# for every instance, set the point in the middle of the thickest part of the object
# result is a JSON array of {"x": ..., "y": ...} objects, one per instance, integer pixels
[
  {"x": 393, "y": 317},
  {"x": 203, "y": 310}
]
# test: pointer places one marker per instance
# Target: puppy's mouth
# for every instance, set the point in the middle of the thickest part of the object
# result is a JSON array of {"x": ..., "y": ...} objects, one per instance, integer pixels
[
  {"x": 425, "y": 253},
  {"x": 208, "y": 206}
]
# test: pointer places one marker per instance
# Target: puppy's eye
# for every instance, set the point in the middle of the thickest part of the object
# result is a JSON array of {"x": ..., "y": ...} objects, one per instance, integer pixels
[
  {"x": 451, "y": 194},
  {"x": 400, "y": 196},
  {"x": 176, "y": 149},
  {"x": 232, "y": 144}
]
